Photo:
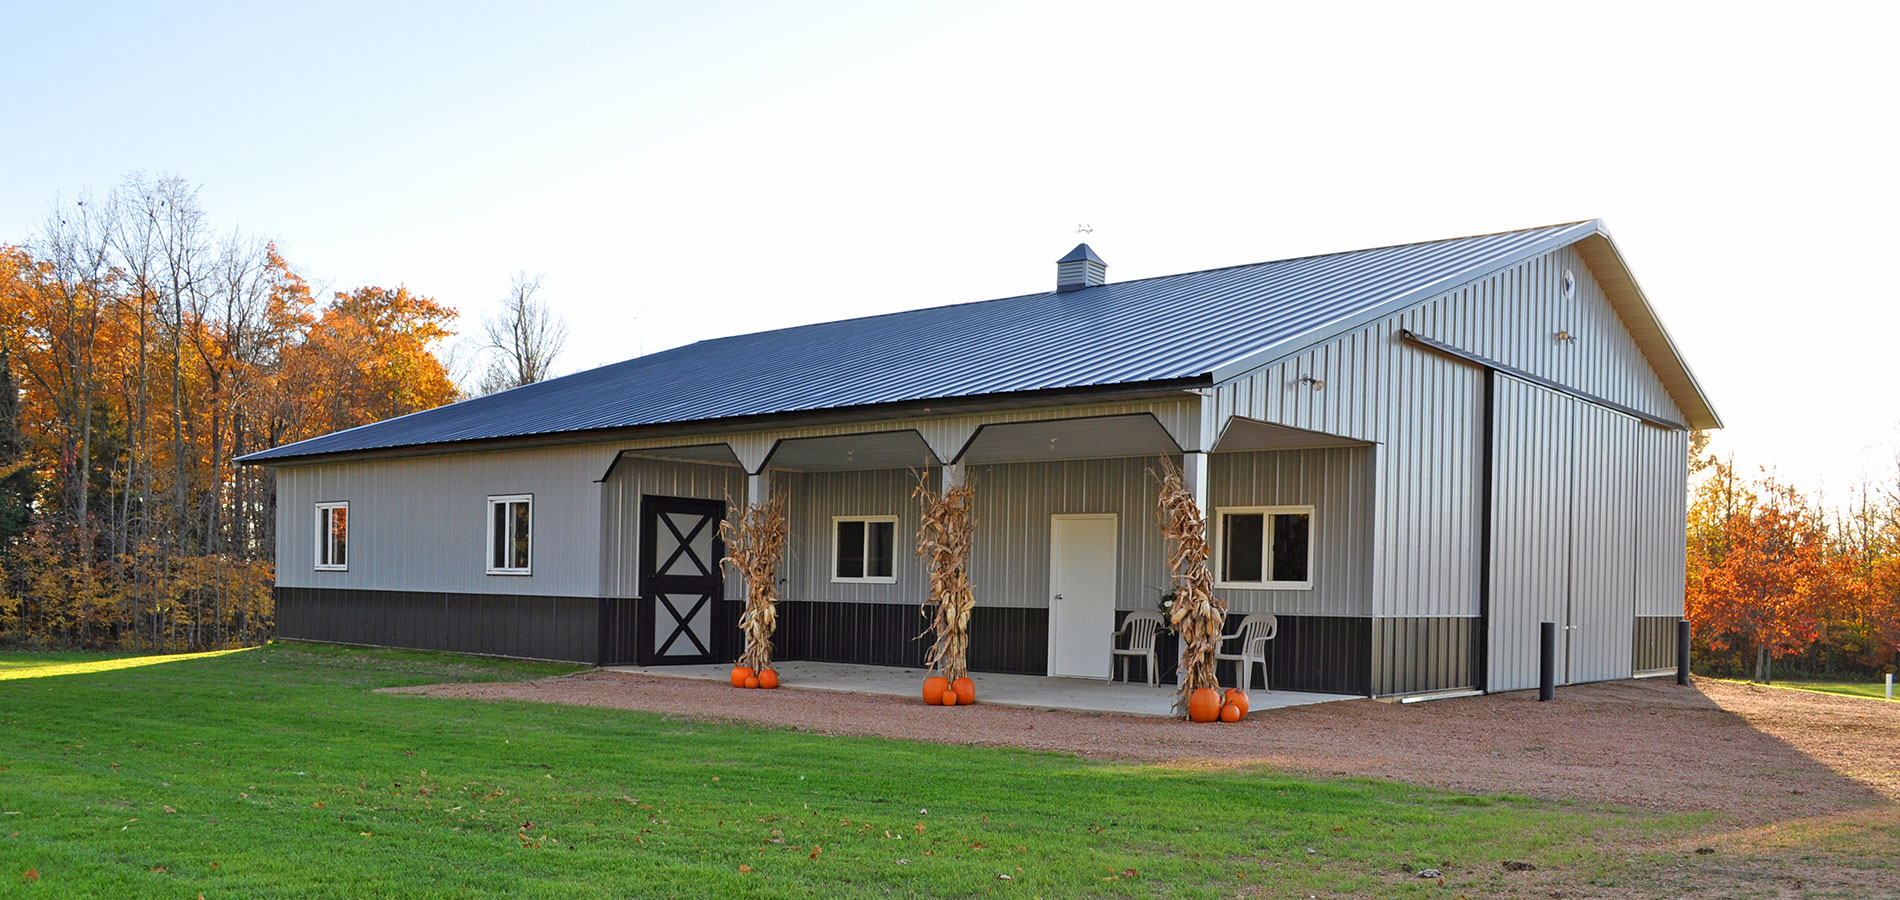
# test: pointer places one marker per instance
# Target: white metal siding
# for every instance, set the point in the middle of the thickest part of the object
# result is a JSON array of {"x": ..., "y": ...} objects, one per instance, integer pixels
[
  {"x": 813, "y": 498},
  {"x": 1425, "y": 411},
  {"x": 1337, "y": 483},
  {"x": 1014, "y": 503},
  {"x": 1662, "y": 520},
  {"x": 1530, "y": 529},
  {"x": 420, "y": 524},
  {"x": 1603, "y": 483},
  {"x": 635, "y": 478}
]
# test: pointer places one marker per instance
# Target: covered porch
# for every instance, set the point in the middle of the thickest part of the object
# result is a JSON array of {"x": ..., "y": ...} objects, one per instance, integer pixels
[
  {"x": 1001, "y": 689},
  {"x": 1067, "y": 546}
]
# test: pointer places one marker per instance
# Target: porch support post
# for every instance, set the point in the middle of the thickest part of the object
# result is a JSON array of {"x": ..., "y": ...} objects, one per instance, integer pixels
[
  {"x": 1194, "y": 478},
  {"x": 952, "y": 476},
  {"x": 758, "y": 488}
]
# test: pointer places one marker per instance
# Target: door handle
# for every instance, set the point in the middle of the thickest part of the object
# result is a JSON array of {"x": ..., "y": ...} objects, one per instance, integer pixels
[{"x": 1058, "y": 596}]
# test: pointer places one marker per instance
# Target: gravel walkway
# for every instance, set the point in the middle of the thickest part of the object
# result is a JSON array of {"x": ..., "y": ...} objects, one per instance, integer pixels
[{"x": 1751, "y": 754}]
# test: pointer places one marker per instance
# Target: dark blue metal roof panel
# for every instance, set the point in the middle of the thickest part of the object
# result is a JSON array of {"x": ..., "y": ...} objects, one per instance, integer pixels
[
  {"x": 1082, "y": 253},
  {"x": 1169, "y": 328}
]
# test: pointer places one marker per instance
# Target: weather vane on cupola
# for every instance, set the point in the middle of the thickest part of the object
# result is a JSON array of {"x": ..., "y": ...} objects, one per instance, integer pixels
[{"x": 1084, "y": 229}]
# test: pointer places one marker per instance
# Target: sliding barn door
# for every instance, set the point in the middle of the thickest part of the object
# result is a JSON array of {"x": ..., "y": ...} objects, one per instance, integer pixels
[
  {"x": 1602, "y": 615},
  {"x": 1563, "y": 536},
  {"x": 1530, "y": 528}
]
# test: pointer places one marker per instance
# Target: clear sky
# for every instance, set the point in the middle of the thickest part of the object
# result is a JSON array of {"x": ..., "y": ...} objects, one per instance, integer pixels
[{"x": 688, "y": 170}]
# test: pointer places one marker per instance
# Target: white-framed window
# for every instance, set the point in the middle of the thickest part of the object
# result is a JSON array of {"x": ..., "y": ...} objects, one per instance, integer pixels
[
  {"x": 510, "y": 534},
  {"x": 1267, "y": 547},
  {"x": 333, "y": 536},
  {"x": 864, "y": 549}
]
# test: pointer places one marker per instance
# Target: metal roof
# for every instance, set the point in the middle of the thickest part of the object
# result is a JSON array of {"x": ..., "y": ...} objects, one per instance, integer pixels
[
  {"x": 1081, "y": 253},
  {"x": 1174, "y": 329}
]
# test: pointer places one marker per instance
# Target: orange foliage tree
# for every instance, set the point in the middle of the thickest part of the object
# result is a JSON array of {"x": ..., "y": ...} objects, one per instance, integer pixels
[
  {"x": 149, "y": 354},
  {"x": 1763, "y": 573}
]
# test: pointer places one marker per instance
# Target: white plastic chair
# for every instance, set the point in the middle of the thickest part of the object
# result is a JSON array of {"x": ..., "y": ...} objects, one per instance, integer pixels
[
  {"x": 1141, "y": 626},
  {"x": 1254, "y": 633}
]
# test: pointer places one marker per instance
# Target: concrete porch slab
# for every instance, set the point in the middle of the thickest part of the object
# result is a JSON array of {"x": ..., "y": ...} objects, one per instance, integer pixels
[{"x": 1033, "y": 691}]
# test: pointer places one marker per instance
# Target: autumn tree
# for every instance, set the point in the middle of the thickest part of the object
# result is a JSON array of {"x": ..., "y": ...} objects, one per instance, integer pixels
[
  {"x": 370, "y": 358},
  {"x": 1762, "y": 574},
  {"x": 16, "y": 470},
  {"x": 149, "y": 351}
]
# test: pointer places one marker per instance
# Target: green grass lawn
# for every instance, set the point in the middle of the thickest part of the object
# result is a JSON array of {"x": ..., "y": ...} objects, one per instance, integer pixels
[
  {"x": 276, "y": 773},
  {"x": 11, "y": 661},
  {"x": 1874, "y": 689}
]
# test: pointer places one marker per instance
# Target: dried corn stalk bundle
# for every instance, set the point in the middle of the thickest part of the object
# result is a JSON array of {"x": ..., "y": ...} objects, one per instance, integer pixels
[
  {"x": 1197, "y": 615},
  {"x": 755, "y": 542},
  {"x": 943, "y": 542}
]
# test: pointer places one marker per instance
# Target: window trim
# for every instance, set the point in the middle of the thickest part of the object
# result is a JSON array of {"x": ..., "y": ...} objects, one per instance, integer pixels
[
  {"x": 488, "y": 532},
  {"x": 1266, "y": 549},
  {"x": 866, "y": 579},
  {"x": 322, "y": 537}
]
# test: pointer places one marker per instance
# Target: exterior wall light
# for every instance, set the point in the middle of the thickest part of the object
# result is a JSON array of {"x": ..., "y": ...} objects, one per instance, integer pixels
[
  {"x": 1566, "y": 337},
  {"x": 1317, "y": 384}
]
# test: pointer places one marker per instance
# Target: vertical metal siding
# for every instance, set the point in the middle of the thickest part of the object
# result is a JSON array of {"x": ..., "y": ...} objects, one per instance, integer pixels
[
  {"x": 620, "y": 513},
  {"x": 1530, "y": 570},
  {"x": 1655, "y": 643},
  {"x": 1014, "y": 502},
  {"x": 1337, "y": 483},
  {"x": 1417, "y": 655},
  {"x": 1662, "y": 511},
  {"x": 420, "y": 524},
  {"x": 1603, "y": 529},
  {"x": 1425, "y": 411},
  {"x": 530, "y": 627},
  {"x": 813, "y": 498}
]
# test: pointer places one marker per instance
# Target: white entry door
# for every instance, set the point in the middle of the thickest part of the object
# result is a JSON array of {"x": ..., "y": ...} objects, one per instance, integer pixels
[{"x": 1082, "y": 594}]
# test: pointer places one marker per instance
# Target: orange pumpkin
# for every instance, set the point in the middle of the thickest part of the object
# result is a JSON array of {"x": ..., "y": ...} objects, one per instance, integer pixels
[
  {"x": 1230, "y": 713},
  {"x": 1238, "y": 697},
  {"x": 949, "y": 698},
  {"x": 768, "y": 678},
  {"x": 966, "y": 691},
  {"x": 1204, "y": 705},
  {"x": 752, "y": 681},
  {"x": 740, "y": 674},
  {"x": 934, "y": 686}
]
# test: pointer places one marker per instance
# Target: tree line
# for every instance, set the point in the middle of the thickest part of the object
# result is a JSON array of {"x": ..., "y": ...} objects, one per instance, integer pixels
[
  {"x": 1775, "y": 580},
  {"x": 141, "y": 352}
]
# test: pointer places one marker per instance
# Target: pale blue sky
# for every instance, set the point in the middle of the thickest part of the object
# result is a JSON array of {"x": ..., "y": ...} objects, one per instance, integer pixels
[{"x": 691, "y": 170}]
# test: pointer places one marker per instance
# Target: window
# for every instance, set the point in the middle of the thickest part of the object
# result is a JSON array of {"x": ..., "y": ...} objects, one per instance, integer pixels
[
  {"x": 333, "y": 536},
  {"x": 510, "y": 534},
  {"x": 863, "y": 548},
  {"x": 1265, "y": 547}
]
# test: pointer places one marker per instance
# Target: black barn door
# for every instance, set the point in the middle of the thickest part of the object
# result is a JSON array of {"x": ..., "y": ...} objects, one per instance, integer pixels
[{"x": 680, "y": 583}]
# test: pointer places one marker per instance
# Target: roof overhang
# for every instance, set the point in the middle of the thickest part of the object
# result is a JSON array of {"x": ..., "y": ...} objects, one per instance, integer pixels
[
  {"x": 1242, "y": 434},
  {"x": 703, "y": 428},
  {"x": 1599, "y": 252},
  {"x": 1091, "y": 437},
  {"x": 1632, "y": 306}
]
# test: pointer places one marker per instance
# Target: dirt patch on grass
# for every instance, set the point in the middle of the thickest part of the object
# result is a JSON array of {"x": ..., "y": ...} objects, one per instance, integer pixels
[{"x": 1746, "y": 753}]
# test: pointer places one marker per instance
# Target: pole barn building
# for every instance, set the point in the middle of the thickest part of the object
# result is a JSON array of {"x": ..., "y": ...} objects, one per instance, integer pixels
[{"x": 1412, "y": 456}]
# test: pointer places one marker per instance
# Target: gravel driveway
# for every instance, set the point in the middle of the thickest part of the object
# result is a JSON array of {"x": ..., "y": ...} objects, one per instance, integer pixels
[{"x": 1748, "y": 753}]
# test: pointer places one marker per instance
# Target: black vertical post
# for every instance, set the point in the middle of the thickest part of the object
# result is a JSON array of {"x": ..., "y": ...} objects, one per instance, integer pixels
[
  {"x": 1486, "y": 480},
  {"x": 1547, "y": 661},
  {"x": 1682, "y": 651}
]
